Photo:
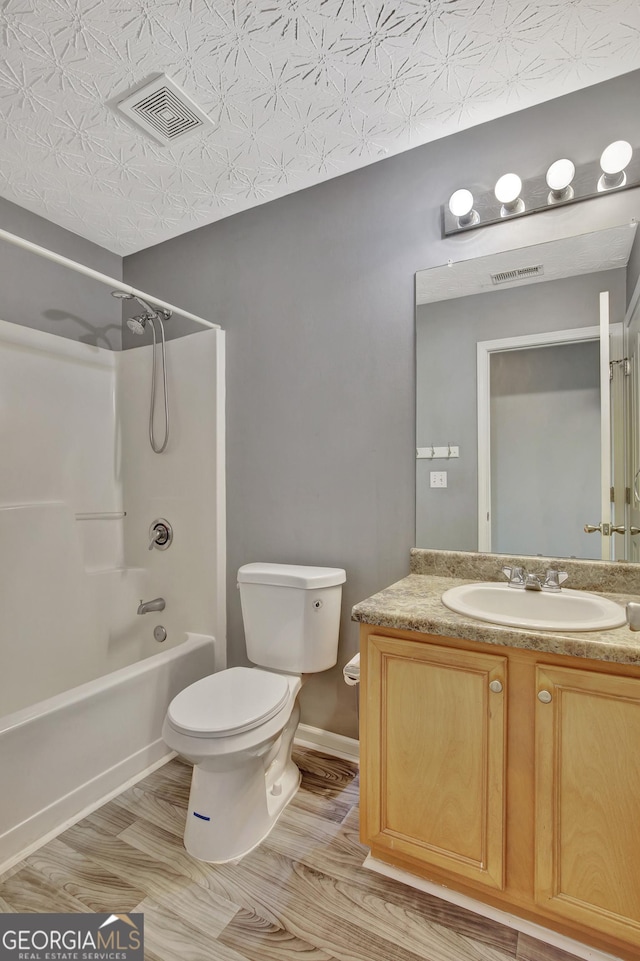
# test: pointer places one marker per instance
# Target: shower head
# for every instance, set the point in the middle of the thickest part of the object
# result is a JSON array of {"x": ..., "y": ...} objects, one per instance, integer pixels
[
  {"x": 124, "y": 295},
  {"x": 152, "y": 313},
  {"x": 137, "y": 324}
]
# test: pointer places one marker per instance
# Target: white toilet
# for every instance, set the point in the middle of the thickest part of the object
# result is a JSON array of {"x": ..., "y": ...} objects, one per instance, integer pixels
[{"x": 237, "y": 726}]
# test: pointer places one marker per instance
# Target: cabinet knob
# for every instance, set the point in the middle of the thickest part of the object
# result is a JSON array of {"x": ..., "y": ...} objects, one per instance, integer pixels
[
  {"x": 544, "y": 696},
  {"x": 495, "y": 686}
]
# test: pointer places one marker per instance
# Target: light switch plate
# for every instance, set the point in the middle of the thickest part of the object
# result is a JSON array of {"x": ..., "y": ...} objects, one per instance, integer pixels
[{"x": 438, "y": 478}]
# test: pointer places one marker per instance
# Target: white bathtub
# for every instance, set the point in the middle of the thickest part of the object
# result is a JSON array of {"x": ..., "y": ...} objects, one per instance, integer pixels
[{"x": 66, "y": 755}]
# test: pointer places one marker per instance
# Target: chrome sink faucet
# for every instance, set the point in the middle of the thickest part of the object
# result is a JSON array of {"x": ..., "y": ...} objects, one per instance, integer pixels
[
  {"x": 520, "y": 578},
  {"x": 532, "y": 582}
]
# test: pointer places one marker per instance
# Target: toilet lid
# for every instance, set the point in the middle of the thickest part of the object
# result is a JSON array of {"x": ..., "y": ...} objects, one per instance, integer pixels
[{"x": 228, "y": 702}]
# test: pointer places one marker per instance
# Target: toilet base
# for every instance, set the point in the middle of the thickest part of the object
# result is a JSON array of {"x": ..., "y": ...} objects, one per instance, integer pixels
[{"x": 232, "y": 811}]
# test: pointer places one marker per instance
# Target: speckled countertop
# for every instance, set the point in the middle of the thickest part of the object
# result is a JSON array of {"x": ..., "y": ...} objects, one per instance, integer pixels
[{"x": 414, "y": 604}]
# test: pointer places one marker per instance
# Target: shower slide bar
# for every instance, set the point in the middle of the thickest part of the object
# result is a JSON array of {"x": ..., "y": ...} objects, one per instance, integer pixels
[{"x": 101, "y": 278}]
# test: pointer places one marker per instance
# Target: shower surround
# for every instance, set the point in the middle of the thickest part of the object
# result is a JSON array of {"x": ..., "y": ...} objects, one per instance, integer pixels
[{"x": 79, "y": 489}]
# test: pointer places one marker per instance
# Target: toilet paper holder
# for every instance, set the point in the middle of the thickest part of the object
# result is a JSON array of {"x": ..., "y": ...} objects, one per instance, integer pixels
[{"x": 351, "y": 671}]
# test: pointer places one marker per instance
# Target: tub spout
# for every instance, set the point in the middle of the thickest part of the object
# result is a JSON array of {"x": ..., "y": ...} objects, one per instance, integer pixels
[{"x": 146, "y": 607}]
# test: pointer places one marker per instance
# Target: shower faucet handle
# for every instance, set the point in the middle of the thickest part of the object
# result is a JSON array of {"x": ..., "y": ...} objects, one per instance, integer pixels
[
  {"x": 155, "y": 537},
  {"x": 160, "y": 534}
]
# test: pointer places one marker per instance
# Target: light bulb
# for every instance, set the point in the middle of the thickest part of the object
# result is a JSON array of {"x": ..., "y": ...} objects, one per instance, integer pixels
[
  {"x": 461, "y": 206},
  {"x": 507, "y": 191},
  {"x": 560, "y": 174},
  {"x": 461, "y": 203},
  {"x": 508, "y": 188},
  {"x": 614, "y": 159},
  {"x": 559, "y": 177}
]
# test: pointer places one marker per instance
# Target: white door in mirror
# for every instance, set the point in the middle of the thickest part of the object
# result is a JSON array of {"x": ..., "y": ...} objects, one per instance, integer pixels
[{"x": 564, "y": 610}]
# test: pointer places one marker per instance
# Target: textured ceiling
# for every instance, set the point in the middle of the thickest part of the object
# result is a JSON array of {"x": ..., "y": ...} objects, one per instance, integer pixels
[{"x": 300, "y": 90}]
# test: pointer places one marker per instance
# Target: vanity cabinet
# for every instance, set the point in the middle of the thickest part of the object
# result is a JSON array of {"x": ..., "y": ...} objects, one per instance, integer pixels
[
  {"x": 510, "y": 775},
  {"x": 587, "y": 811},
  {"x": 436, "y": 786}
]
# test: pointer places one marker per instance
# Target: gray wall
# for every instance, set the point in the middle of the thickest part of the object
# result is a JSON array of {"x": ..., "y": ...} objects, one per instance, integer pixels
[
  {"x": 316, "y": 291},
  {"x": 545, "y": 451},
  {"x": 37, "y": 293},
  {"x": 446, "y": 361}
]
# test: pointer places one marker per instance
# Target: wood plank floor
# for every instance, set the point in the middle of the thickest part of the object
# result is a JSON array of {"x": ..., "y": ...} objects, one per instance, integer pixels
[{"x": 301, "y": 896}]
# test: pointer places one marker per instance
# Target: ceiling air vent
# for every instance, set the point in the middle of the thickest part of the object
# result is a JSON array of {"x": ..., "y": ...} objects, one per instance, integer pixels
[
  {"x": 164, "y": 111},
  {"x": 520, "y": 273}
]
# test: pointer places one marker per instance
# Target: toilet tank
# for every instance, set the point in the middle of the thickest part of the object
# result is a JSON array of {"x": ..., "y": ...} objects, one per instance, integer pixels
[{"x": 291, "y": 615}]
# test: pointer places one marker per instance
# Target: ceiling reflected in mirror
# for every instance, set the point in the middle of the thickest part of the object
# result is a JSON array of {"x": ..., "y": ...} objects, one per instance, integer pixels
[{"x": 553, "y": 260}]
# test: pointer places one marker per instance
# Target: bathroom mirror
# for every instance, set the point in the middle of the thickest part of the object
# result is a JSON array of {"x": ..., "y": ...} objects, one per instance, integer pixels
[{"x": 508, "y": 350}]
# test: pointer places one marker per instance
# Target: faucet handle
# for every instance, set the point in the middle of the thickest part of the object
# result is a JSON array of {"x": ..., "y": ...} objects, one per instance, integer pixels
[
  {"x": 160, "y": 534},
  {"x": 515, "y": 576},
  {"x": 553, "y": 579},
  {"x": 156, "y": 535}
]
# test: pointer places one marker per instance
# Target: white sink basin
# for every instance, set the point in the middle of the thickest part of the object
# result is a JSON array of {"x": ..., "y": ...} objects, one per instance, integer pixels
[{"x": 565, "y": 610}]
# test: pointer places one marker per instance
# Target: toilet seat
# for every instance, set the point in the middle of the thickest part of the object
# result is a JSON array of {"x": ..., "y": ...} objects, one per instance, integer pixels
[{"x": 229, "y": 702}]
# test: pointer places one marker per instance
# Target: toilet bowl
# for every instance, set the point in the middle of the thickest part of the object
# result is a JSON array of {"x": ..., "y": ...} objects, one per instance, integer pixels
[
  {"x": 243, "y": 774},
  {"x": 237, "y": 726}
]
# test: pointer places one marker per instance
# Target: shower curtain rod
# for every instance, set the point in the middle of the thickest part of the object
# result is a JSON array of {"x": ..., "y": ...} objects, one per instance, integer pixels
[{"x": 102, "y": 278}]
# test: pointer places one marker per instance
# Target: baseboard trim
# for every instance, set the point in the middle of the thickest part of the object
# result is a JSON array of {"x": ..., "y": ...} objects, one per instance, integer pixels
[
  {"x": 45, "y": 825},
  {"x": 81, "y": 802},
  {"x": 536, "y": 931},
  {"x": 335, "y": 744}
]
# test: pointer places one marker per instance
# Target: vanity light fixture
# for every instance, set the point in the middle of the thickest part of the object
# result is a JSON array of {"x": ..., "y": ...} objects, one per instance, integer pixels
[
  {"x": 559, "y": 177},
  {"x": 507, "y": 192},
  {"x": 461, "y": 206},
  {"x": 613, "y": 162},
  {"x": 564, "y": 182}
]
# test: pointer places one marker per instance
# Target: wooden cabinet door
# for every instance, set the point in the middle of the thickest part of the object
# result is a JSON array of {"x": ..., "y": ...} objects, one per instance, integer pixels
[
  {"x": 434, "y": 757},
  {"x": 588, "y": 799}
]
